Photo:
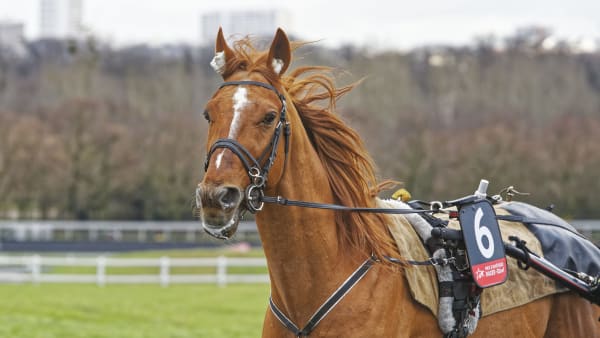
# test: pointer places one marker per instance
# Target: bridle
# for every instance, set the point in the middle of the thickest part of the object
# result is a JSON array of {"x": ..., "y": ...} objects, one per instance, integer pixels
[
  {"x": 254, "y": 194},
  {"x": 258, "y": 175}
]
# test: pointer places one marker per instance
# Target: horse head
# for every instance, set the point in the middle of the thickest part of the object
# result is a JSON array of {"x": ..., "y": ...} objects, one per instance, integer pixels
[{"x": 247, "y": 118}]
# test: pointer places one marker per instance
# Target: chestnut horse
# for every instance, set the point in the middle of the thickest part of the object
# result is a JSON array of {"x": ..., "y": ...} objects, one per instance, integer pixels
[{"x": 281, "y": 134}]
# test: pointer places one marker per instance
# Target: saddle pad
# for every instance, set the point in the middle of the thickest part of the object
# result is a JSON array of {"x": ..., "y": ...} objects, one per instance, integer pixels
[{"x": 522, "y": 286}]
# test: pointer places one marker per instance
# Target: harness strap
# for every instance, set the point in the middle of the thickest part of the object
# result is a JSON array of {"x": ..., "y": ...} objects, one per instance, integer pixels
[
  {"x": 327, "y": 306},
  {"x": 431, "y": 261},
  {"x": 253, "y": 83},
  {"x": 533, "y": 220},
  {"x": 233, "y": 145},
  {"x": 304, "y": 204},
  {"x": 284, "y": 319}
]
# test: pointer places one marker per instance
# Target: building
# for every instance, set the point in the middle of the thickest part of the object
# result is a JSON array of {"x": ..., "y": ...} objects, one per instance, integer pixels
[
  {"x": 11, "y": 37},
  {"x": 61, "y": 19},
  {"x": 257, "y": 23},
  {"x": 11, "y": 34}
]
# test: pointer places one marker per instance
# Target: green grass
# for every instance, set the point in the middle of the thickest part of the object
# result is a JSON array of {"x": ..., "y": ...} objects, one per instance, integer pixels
[{"x": 131, "y": 311}]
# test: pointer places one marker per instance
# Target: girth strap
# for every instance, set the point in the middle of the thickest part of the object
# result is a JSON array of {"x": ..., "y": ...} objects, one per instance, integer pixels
[{"x": 329, "y": 304}]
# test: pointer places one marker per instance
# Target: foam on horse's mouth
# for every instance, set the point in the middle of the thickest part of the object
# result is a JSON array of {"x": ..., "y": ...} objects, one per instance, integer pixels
[{"x": 221, "y": 231}]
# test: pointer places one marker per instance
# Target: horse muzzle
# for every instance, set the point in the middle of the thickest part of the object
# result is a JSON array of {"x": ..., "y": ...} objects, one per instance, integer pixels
[{"x": 220, "y": 209}]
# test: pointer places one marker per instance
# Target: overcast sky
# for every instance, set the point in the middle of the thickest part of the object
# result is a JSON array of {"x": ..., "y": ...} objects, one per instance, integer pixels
[{"x": 383, "y": 23}]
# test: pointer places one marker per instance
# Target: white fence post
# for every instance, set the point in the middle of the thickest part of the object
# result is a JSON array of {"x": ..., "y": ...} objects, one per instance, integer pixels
[
  {"x": 101, "y": 270},
  {"x": 35, "y": 269},
  {"x": 221, "y": 271},
  {"x": 164, "y": 271}
]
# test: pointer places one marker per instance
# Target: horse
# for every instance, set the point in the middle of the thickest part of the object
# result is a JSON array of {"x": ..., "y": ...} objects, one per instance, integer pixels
[{"x": 279, "y": 135}]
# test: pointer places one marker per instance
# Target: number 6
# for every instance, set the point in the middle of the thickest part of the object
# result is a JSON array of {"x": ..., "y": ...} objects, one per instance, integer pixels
[{"x": 483, "y": 231}]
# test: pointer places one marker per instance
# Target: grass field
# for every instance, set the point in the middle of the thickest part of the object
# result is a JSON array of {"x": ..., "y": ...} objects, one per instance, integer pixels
[
  {"x": 131, "y": 311},
  {"x": 135, "y": 311}
]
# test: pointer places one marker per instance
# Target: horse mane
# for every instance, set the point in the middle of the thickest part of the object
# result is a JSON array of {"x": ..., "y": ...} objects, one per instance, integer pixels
[{"x": 349, "y": 167}]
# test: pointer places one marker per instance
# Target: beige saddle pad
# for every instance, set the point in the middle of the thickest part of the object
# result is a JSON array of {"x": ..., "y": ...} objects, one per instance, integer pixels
[{"x": 522, "y": 286}]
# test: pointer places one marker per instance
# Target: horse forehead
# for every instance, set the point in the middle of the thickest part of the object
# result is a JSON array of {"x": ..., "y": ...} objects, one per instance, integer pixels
[
  {"x": 239, "y": 98},
  {"x": 242, "y": 98},
  {"x": 255, "y": 92}
]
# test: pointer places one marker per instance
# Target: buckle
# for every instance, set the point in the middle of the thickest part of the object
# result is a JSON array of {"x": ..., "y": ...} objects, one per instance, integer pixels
[{"x": 254, "y": 198}]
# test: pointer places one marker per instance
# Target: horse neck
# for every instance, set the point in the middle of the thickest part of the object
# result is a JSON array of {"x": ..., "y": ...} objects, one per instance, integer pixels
[{"x": 301, "y": 245}]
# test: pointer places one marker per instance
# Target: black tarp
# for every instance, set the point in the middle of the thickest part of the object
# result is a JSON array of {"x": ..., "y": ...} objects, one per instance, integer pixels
[{"x": 561, "y": 243}]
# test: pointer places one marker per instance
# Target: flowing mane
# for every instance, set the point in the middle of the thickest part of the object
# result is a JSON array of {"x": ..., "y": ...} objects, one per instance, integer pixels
[{"x": 350, "y": 168}]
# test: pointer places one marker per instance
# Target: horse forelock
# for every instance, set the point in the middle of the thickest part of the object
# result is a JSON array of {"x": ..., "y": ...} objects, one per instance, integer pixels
[
  {"x": 247, "y": 58},
  {"x": 349, "y": 167}
]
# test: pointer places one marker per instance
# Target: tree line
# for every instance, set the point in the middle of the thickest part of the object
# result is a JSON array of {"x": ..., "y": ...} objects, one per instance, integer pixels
[{"x": 92, "y": 132}]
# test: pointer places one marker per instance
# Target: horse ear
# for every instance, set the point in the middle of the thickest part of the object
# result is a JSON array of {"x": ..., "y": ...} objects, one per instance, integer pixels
[
  {"x": 280, "y": 53},
  {"x": 222, "y": 53}
]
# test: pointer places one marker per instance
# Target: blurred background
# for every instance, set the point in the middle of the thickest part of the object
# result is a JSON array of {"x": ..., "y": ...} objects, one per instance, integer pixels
[{"x": 102, "y": 138}]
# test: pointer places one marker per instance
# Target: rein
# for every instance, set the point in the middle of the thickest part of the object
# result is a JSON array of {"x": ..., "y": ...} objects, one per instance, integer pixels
[{"x": 314, "y": 205}]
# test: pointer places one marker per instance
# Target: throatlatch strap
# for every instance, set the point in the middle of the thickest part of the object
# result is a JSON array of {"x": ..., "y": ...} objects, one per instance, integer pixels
[{"x": 329, "y": 304}]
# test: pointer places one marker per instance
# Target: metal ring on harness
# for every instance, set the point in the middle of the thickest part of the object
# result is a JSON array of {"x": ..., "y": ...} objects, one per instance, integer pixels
[
  {"x": 258, "y": 180},
  {"x": 436, "y": 206},
  {"x": 254, "y": 198}
]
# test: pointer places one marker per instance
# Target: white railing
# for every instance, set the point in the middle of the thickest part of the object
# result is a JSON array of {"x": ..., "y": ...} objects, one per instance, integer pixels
[
  {"x": 31, "y": 269},
  {"x": 140, "y": 231}
]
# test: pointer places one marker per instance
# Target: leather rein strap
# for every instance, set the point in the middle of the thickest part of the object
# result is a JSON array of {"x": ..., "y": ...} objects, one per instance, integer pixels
[
  {"x": 327, "y": 306},
  {"x": 314, "y": 205}
]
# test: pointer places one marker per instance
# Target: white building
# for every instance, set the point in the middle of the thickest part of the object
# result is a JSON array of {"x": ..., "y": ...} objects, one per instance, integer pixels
[
  {"x": 11, "y": 34},
  {"x": 61, "y": 19},
  {"x": 11, "y": 37},
  {"x": 257, "y": 23}
]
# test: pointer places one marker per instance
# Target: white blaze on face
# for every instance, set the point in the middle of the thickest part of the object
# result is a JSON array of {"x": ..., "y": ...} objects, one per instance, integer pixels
[{"x": 240, "y": 101}]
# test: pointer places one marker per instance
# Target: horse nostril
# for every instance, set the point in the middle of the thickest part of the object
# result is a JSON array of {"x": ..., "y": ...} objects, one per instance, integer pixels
[{"x": 229, "y": 197}]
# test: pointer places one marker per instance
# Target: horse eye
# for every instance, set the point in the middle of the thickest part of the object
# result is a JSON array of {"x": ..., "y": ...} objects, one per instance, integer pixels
[
  {"x": 206, "y": 116},
  {"x": 269, "y": 118}
]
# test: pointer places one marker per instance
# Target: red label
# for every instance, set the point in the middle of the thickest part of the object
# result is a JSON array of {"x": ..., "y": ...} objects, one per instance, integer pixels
[{"x": 490, "y": 273}]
